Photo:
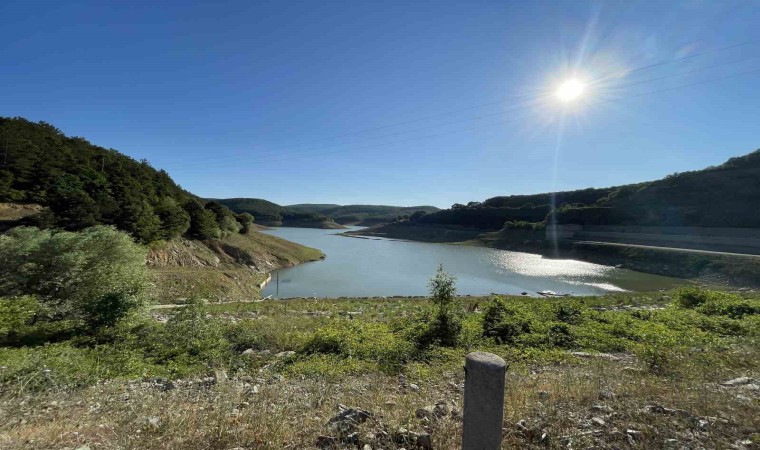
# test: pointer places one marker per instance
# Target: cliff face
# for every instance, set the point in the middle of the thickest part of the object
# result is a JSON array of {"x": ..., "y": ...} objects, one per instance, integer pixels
[{"x": 233, "y": 268}]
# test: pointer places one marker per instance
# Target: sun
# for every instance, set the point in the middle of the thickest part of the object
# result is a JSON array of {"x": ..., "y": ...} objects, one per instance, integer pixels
[{"x": 570, "y": 90}]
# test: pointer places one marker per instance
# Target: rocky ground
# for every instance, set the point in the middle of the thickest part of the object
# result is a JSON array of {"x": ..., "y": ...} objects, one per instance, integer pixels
[{"x": 600, "y": 402}]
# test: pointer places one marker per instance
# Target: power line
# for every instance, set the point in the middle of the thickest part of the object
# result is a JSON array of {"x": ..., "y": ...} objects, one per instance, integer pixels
[
  {"x": 483, "y": 116},
  {"x": 516, "y": 98},
  {"x": 494, "y": 123}
]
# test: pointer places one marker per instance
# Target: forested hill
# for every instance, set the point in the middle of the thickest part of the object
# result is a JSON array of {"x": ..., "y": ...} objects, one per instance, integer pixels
[
  {"x": 83, "y": 185},
  {"x": 722, "y": 196},
  {"x": 269, "y": 213},
  {"x": 363, "y": 214}
]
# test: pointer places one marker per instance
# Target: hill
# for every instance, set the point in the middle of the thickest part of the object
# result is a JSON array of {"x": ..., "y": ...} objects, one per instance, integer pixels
[
  {"x": 271, "y": 214},
  {"x": 364, "y": 215},
  {"x": 50, "y": 180},
  {"x": 722, "y": 196}
]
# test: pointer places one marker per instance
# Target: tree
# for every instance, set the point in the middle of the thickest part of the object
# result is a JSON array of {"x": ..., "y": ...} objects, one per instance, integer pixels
[
  {"x": 202, "y": 221},
  {"x": 417, "y": 215},
  {"x": 73, "y": 207},
  {"x": 446, "y": 325},
  {"x": 94, "y": 277},
  {"x": 175, "y": 221},
  {"x": 246, "y": 220}
]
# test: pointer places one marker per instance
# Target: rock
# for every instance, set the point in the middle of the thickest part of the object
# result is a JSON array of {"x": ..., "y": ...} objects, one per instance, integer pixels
[
  {"x": 220, "y": 376},
  {"x": 602, "y": 409},
  {"x": 419, "y": 440},
  {"x": 607, "y": 356},
  {"x": 352, "y": 438},
  {"x": 326, "y": 441},
  {"x": 348, "y": 419},
  {"x": 636, "y": 435},
  {"x": 285, "y": 354},
  {"x": 659, "y": 409},
  {"x": 414, "y": 387},
  {"x": 738, "y": 381},
  {"x": 441, "y": 409},
  {"x": 367, "y": 447},
  {"x": 425, "y": 413},
  {"x": 598, "y": 421},
  {"x": 423, "y": 441}
]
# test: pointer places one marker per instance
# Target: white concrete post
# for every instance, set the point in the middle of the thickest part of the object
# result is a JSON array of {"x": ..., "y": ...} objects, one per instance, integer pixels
[{"x": 483, "y": 401}]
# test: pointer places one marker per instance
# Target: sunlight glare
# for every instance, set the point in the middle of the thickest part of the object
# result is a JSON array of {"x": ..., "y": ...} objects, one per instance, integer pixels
[{"x": 570, "y": 90}]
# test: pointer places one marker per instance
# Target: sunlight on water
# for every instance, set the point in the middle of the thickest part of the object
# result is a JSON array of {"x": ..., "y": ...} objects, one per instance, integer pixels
[
  {"x": 536, "y": 266},
  {"x": 383, "y": 267}
]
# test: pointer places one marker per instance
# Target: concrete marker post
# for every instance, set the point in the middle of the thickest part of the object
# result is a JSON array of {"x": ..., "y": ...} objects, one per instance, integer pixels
[{"x": 483, "y": 401}]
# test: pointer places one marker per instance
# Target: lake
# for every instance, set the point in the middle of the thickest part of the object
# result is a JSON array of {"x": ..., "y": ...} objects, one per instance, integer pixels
[{"x": 376, "y": 267}]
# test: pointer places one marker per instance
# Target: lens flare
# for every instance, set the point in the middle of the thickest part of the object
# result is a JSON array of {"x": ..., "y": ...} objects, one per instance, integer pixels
[{"x": 570, "y": 90}]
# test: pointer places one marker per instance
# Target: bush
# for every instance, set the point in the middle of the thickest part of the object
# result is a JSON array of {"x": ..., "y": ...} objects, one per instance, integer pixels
[
  {"x": 715, "y": 303},
  {"x": 370, "y": 341},
  {"x": 503, "y": 323},
  {"x": 94, "y": 277},
  {"x": 443, "y": 329}
]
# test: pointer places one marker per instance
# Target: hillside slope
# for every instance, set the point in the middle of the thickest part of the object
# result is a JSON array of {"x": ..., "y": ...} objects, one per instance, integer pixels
[
  {"x": 271, "y": 214},
  {"x": 198, "y": 247},
  {"x": 722, "y": 196},
  {"x": 364, "y": 215},
  {"x": 233, "y": 268}
]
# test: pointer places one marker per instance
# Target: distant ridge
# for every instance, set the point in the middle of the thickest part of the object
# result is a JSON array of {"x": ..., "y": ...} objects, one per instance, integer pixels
[{"x": 365, "y": 215}]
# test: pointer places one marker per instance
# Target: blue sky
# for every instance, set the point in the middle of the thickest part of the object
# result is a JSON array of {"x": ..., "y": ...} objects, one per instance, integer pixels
[{"x": 245, "y": 99}]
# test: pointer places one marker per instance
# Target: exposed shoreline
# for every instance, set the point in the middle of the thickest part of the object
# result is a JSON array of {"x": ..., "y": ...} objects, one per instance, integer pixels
[{"x": 710, "y": 269}]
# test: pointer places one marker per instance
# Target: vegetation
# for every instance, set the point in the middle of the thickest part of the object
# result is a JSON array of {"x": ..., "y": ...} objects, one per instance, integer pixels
[
  {"x": 713, "y": 197},
  {"x": 268, "y": 213},
  {"x": 365, "y": 215},
  {"x": 652, "y": 351},
  {"x": 64, "y": 282},
  {"x": 83, "y": 185}
]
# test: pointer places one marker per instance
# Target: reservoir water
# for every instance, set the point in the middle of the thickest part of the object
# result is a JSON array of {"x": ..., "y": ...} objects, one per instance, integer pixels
[{"x": 372, "y": 267}]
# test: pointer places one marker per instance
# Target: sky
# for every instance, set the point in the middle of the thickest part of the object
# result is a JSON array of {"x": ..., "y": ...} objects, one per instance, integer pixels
[{"x": 392, "y": 102}]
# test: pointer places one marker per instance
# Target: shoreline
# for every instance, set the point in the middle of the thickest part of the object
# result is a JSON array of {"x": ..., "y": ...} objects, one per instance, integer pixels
[{"x": 704, "y": 268}]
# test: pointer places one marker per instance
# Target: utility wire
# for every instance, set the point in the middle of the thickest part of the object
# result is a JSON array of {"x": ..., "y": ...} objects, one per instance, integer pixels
[
  {"x": 490, "y": 124},
  {"x": 520, "y": 97},
  {"x": 483, "y": 116}
]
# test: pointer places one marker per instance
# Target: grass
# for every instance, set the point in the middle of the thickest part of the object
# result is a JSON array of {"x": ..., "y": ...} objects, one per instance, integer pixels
[
  {"x": 229, "y": 269},
  {"x": 669, "y": 348}
]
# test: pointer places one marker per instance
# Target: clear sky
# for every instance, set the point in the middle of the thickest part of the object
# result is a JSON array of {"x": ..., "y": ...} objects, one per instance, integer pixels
[{"x": 246, "y": 98}]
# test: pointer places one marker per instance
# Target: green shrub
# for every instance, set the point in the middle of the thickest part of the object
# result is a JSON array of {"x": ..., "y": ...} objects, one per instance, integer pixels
[
  {"x": 504, "y": 323},
  {"x": 443, "y": 329},
  {"x": 365, "y": 341},
  {"x": 560, "y": 335},
  {"x": 94, "y": 277},
  {"x": 567, "y": 313},
  {"x": 692, "y": 297}
]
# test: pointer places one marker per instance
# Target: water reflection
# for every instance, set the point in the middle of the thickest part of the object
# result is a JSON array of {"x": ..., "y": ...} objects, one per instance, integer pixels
[{"x": 384, "y": 267}]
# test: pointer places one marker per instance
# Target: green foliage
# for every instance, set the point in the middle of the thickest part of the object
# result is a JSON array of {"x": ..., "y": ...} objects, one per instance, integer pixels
[
  {"x": 175, "y": 221},
  {"x": 365, "y": 215},
  {"x": 351, "y": 339},
  {"x": 94, "y": 277},
  {"x": 84, "y": 185},
  {"x": 504, "y": 323},
  {"x": 715, "y": 303},
  {"x": 269, "y": 213},
  {"x": 446, "y": 325},
  {"x": 203, "y": 223},
  {"x": 188, "y": 342},
  {"x": 246, "y": 220}
]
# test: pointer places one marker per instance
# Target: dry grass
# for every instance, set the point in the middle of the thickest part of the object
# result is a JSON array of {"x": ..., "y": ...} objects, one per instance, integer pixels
[{"x": 554, "y": 402}]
